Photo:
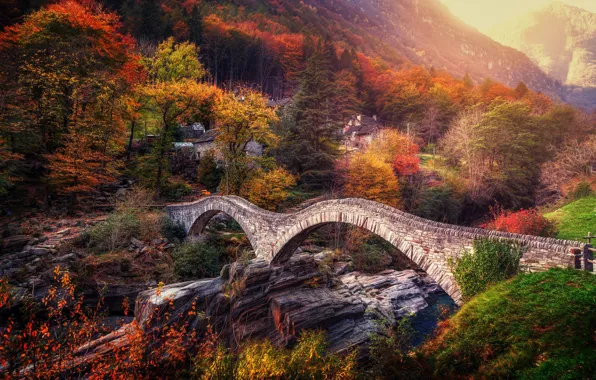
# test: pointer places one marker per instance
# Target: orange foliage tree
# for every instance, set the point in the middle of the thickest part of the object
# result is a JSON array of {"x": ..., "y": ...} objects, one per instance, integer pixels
[
  {"x": 68, "y": 68},
  {"x": 370, "y": 177},
  {"x": 269, "y": 189},
  {"x": 398, "y": 150}
]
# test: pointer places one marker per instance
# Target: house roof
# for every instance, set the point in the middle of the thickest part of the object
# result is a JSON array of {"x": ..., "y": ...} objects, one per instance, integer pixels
[
  {"x": 365, "y": 126},
  {"x": 280, "y": 102},
  {"x": 206, "y": 137},
  {"x": 179, "y": 145}
]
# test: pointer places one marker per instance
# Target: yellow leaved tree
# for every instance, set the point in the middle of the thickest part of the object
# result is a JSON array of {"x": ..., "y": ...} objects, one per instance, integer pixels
[
  {"x": 371, "y": 177},
  {"x": 242, "y": 118}
]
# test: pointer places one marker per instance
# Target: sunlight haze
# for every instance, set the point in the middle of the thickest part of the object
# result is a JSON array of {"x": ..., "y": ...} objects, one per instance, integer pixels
[{"x": 484, "y": 14}]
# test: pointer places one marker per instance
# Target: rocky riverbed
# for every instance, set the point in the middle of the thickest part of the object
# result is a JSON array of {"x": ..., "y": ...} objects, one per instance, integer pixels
[{"x": 253, "y": 300}]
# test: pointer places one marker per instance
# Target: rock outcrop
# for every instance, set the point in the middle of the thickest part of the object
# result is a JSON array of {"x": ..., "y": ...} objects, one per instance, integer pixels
[{"x": 258, "y": 301}]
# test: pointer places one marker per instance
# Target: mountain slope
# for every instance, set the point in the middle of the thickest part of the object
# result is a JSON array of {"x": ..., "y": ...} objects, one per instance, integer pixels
[
  {"x": 425, "y": 32},
  {"x": 561, "y": 39}
]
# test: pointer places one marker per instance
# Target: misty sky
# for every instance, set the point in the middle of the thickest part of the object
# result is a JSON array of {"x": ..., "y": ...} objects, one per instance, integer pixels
[{"x": 483, "y": 14}]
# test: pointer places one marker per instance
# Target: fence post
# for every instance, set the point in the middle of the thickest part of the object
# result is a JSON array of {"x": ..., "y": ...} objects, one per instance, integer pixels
[
  {"x": 577, "y": 257},
  {"x": 588, "y": 258}
]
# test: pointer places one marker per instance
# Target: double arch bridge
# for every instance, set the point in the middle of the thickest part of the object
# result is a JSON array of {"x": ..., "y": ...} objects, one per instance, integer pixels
[{"x": 429, "y": 244}]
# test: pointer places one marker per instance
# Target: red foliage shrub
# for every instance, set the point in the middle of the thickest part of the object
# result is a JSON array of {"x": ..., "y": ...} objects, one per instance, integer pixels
[
  {"x": 406, "y": 161},
  {"x": 527, "y": 222}
]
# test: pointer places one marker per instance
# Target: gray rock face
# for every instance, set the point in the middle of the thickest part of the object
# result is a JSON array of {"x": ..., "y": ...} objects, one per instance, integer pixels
[
  {"x": 14, "y": 243},
  {"x": 256, "y": 300}
]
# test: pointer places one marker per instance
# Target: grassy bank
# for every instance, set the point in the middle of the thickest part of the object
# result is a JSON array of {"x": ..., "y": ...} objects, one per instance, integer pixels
[{"x": 576, "y": 219}]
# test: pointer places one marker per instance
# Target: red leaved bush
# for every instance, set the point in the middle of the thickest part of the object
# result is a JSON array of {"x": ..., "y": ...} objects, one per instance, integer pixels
[
  {"x": 406, "y": 161},
  {"x": 527, "y": 222}
]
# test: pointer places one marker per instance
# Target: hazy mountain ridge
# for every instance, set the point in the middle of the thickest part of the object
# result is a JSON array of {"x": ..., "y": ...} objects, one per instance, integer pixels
[
  {"x": 425, "y": 32},
  {"x": 560, "y": 39}
]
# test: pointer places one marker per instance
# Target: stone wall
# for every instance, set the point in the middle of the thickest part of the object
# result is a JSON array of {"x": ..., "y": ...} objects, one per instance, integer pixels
[{"x": 429, "y": 244}]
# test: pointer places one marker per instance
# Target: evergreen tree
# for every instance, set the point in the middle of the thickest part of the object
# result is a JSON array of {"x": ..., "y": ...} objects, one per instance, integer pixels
[
  {"x": 468, "y": 83},
  {"x": 346, "y": 61},
  {"x": 314, "y": 138},
  {"x": 521, "y": 90}
]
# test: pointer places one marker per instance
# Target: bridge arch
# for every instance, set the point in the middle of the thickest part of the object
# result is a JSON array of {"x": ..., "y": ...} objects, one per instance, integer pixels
[
  {"x": 366, "y": 215},
  {"x": 195, "y": 219}
]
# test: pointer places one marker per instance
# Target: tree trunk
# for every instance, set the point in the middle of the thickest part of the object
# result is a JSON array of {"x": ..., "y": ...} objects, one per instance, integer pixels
[{"x": 132, "y": 132}]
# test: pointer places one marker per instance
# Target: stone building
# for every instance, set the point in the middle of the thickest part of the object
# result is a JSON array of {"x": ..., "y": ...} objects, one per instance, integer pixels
[{"x": 360, "y": 130}]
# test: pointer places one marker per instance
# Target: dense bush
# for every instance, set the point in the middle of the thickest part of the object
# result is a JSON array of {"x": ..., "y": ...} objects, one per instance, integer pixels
[
  {"x": 115, "y": 232},
  {"x": 369, "y": 253},
  {"x": 527, "y": 222},
  {"x": 175, "y": 190},
  {"x": 490, "y": 262},
  {"x": 209, "y": 175},
  {"x": 441, "y": 203},
  {"x": 172, "y": 230},
  {"x": 262, "y": 360},
  {"x": 194, "y": 260},
  {"x": 132, "y": 218},
  {"x": 536, "y": 326},
  {"x": 583, "y": 189},
  {"x": 390, "y": 354}
]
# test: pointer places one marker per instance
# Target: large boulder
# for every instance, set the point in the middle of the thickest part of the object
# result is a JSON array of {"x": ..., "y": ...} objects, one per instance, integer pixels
[
  {"x": 277, "y": 302},
  {"x": 14, "y": 243}
]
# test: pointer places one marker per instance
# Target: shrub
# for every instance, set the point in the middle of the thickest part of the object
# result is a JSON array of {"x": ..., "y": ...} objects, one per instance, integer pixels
[
  {"x": 390, "y": 353},
  {"x": 172, "y": 230},
  {"x": 442, "y": 204},
  {"x": 582, "y": 190},
  {"x": 527, "y": 222},
  {"x": 175, "y": 190},
  {"x": 194, "y": 260},
  {"x": 209, "y": 175},
  {"x": 490, "y": 262},
  {"x": 536, "y": 326},
  {"x": 307, "y": 360},
  {"x": 369, "y": 253},
  {"x": 371, "y": 258},
  {"x": 115, "y": 232}
]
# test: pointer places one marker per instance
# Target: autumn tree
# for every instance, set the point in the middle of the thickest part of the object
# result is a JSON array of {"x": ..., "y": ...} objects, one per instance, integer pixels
[
  {"x": 267, "y": 189},
  {"x": 175, "y": 62},
  {"x": 175, "y": 96},
  {"x": 242, "y": 118},
  {"x": 175, "y": 103},
  {"x": 370, "y": 177},
  {"x": 574, "y": 162},
  {"x": 66, "y": 70},
  {"x": 464, "y": 144},
  {"x": 398, "y": 150}
]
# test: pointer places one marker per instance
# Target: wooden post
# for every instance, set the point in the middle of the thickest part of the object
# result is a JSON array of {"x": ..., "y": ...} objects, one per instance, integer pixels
[
  {"x": 577, "y": 258},
  {"x": 588, "y": 258}
]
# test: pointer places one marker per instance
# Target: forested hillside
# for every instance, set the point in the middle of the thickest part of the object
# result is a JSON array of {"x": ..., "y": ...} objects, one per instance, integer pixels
[{"x": 81, "y": 81}]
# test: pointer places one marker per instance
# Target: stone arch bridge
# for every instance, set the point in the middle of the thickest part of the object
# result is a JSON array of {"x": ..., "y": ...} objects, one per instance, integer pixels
[{"x": 429, "y": 244}]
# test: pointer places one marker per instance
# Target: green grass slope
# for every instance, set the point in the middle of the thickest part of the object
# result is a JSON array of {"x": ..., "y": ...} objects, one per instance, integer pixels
[
  {"x": 576, "y": 219},
  {"x": 535, "y": 326}
]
